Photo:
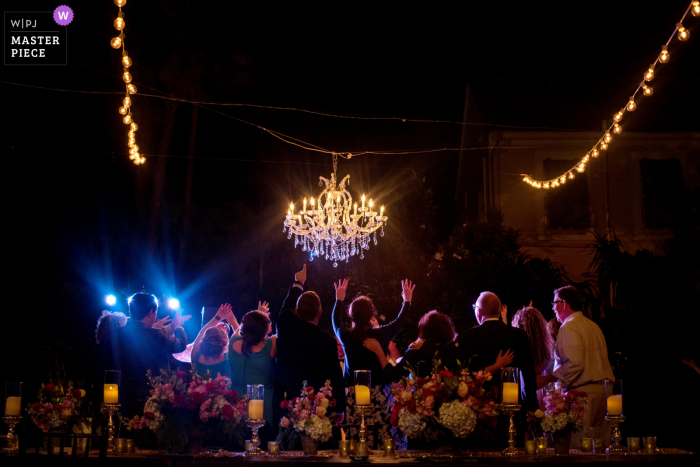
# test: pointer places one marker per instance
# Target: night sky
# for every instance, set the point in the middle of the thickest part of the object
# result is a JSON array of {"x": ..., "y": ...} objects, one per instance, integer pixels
[{"x": 80, "y": 213}]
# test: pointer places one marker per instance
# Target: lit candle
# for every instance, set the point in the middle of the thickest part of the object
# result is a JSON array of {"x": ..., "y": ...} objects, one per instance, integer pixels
[
  {"x": 381, "y": 212},
  {"x": 342, "y": 434},
  {"x": 363, "y": 201},
  {"x": 361, "y": 395},
  {"x": 291, "y": 207},
  {"x": 13, "y": 405},
  {"x": 304, "y": 204},
  {"x": 615, "y": 405},
  {"x": 111, "y": 394},
  {"x": 355, "y": 208},
  {"x": 312, "y": 203},
  {"x": 510, "y": 393},
  {"x": 255, "y": 409}
]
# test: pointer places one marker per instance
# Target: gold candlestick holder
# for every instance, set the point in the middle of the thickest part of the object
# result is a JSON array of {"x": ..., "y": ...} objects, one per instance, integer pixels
[
  {"x": 254, "y": 450},
  {"x": 110, "y": 409},
  {"x": 616, "y": 436},
  {"x": 12, "y": 420},
  {"x": 510, "y": 409},
  {"x": 362, "y": 450}
]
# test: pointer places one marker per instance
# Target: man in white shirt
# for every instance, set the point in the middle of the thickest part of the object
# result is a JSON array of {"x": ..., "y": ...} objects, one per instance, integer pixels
[{"x": 581, "y": 360}]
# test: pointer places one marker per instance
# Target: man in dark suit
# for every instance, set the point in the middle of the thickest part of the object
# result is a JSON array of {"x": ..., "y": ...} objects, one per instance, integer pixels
[
  {"x": 305, "y": 352},
  {"x": 484, "y": 342}
]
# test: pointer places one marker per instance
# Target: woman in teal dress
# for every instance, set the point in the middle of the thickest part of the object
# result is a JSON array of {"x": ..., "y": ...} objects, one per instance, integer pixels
[
  {"x": 253, "y": 357},
  {"x": 210, "y": 348}
]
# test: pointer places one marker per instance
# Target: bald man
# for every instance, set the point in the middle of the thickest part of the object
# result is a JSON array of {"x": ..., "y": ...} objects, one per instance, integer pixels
[{"x": 483, "y": 343}]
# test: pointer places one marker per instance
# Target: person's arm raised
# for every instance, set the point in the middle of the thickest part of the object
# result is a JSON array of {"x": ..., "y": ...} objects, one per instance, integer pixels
[
  {"x": 224, "y": 312},
  {"x": 395, "y": 327},
  {"x": 340, "y": 290}
]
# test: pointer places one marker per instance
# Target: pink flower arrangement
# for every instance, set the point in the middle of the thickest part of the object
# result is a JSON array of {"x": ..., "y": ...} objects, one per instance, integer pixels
[
  {"x": 181, "y": 399},
  {"x": 59, "y": 407},
  {"x": 442, "y": 404},
  {"x": 564, "y": 411},
  {"x": 308, "y": 414}
]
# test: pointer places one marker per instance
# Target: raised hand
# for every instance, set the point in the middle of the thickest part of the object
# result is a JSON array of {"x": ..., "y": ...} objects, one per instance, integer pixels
[
  {"x": 179, "y": 320},
  {"x": 407, "y": 290},
  {"x": 504, "y": 313},
  {"x": 415, "y": 345},
  {"x": 301, "y": 275},
  {"x": 161, "y": 323},
  {"x": 264, "y": 307},
  {"x": 340, "y": 289}
]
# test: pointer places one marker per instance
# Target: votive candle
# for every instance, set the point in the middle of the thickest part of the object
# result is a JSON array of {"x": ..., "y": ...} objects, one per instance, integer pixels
[
  {"x": 632, "y": 444},
  {"x": 650, "y": 444},
  {"x": 344, "y": 448},
  {"x": 586, "y": 444},
  {"x": 13, "y": 406},
  {"x": 530, "y": 446},
  {"x": 111, "y": 393},
  {"x": 361, "y": 395},
  {"x": 615, "y": 405},
  {"x": 389, "y": 445},
  {"x": 541, "y": 442},
  {"x": 510, "y": 393},
  {"x": 255, "y": 409},
  {"x": 273, "y": 448},
  {"x": 598, "y": 446}
]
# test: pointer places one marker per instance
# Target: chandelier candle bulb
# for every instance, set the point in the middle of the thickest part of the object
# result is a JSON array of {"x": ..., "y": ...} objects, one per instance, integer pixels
[
  {"x": 13, "y": 406},
  {"x": 255, "y": 409},
  {"x": 381, "y": 211},
  {"x": 111, "y": 394},
  {"x": 361, "y": 395},
  {"x": 615, "y": 405},
  {"x": 510, "y": 391},
  {"x": 304, "y": 205},
  {"x": 356, "y": 209},
  {"x": 363, "y": 201}
]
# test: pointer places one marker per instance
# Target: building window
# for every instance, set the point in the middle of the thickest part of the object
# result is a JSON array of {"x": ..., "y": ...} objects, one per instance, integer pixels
[
  {"x": 567, "y": 205},
  {"x": 662, "y": 192}
]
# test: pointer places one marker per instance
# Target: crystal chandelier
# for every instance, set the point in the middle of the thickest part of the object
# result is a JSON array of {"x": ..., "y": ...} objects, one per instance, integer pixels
[{"x": 333, "y": 227}]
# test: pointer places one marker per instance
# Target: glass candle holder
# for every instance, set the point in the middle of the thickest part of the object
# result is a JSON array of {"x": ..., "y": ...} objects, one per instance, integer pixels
[
  {"x": 273, "y": 448},
  {"x": 598, "y": 446},
  {"x": 363, "y": 383},
  {"x": 650, "y": 444},
  {"x": 256, "y": 401},
  {"x": 632, "y": 444},
  {"x": 344, "y": 448},
  {"x": 389, "y": 446},
  {"x": 13, "y": 399},
  {"x": 111, "y": 386},
  {"x": 530, "y": 447},
  {"x": 586, "y": 444},
  {"x": 613, "y": 391},
  {"x": 510, "y": 385},
  {"x": 541, "y": 442}
]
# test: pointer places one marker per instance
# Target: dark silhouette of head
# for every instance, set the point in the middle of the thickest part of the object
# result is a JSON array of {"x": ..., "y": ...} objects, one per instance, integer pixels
[
  {"x": 214, "y": 342},
  {"x": 437, "y": 328},
  {"x": 572, "y": 296},
  {"x": 362, "y": 311},
  {"x": 254, "y": 328},
  {"x": 308, "y": 306},
  {"x": 140, "y": 304}
]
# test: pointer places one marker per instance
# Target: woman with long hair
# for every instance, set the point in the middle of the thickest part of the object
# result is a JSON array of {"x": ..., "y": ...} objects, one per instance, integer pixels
[
  {"x": 253, "y": 357},
  {"x": 531, "y": 321},
  {"x": 210, "y": 348}
]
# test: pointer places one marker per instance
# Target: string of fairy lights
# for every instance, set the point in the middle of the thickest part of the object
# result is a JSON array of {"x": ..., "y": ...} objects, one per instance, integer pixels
[
  {"x": 604, "y": 142},
  {"x": 125, "y": 109}
]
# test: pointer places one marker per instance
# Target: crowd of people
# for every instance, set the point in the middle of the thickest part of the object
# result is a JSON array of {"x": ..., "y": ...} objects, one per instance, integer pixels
[{"x": 569, "y": 350}]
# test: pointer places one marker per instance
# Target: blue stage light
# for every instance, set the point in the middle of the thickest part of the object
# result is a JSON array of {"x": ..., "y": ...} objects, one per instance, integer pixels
[
  {"x": 173, "y": 303},
  {"x": 111, "y": 300}
]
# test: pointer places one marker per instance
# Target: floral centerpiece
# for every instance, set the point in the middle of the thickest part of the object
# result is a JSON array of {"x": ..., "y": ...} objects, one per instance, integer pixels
[
  {"x": 184, "y": 407},
  {"x": 309, "y": 416},
  {"x": 443, "y": 404},
  {"x": 564, "y": 411},
  {"x": 60, "y": 407}
]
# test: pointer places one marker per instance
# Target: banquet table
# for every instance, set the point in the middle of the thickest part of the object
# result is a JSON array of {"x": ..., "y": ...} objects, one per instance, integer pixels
[{"x": 664, "y": 457}]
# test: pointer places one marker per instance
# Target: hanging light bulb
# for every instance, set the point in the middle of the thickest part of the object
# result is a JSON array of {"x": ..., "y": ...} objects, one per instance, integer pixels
[
  {"x": 120, "y": 3},
  {"x": 126, "y": 61},
  {"x": 119, "y": 23},
  {"x": 607, "y": 138},
  {"x": 595, "y": 152},
  {"x": 649, "y": 75},
  {"x": 142, "y": 160},
  {"x": 603, "y": 146},
  {"x": 127, "y": 101},
  {"x": 134, "y": 150},
  {"x": 580, "y": 168},
  {"x": 617, "y": 129},
  {"x": 555, "y": 183},
  {"x": 683, "y": 33},
  {"x": 134, "y": 127},
  {"x": 631, "y": 106},
  {"x": 562, "y": 180},
  {"x": 664, "y": 57},
  {"x": 545, "y": 185},
  {"x": 571, "y": 175},
  {"x": 695, "y": 9},
  {"x": 526, "y": 180},
  {"x": 132, "y": 134},
  {"x": 127, "y": 119},
  {"x": 648, "y": 90},
  {"x": 126, "y": 77},
  {"x": 131, "y": 88},
  {"x": 618, "y": 116},
  {"x": 123, "y": 110},
  {"x": 116, "y": 42}
]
